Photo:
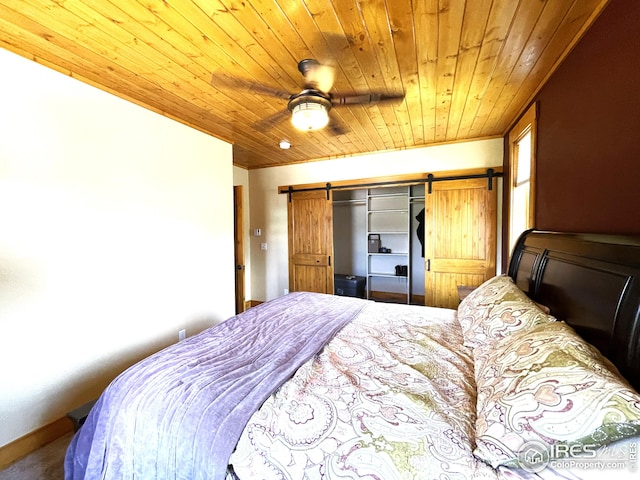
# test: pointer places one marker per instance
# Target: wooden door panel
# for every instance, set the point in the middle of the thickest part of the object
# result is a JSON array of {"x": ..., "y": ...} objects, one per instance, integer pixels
[
  {"x": 310, "y": 242},
  {"x": 310, "y": 279},
  {"x": 311, "y": 259},
  {"x": 460, "y": 238},
  {"x": 470, "y": 267},
  {"x": 310, "y": 219},
  {"x": 445, "y": 287}
]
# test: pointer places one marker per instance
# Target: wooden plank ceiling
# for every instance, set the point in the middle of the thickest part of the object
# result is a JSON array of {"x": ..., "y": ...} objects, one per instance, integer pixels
[{"x": 467, "y": 68}]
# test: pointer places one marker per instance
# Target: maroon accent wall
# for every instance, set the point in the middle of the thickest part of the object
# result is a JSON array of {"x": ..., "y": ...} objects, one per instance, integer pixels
[{"x": 588, "y": 150}]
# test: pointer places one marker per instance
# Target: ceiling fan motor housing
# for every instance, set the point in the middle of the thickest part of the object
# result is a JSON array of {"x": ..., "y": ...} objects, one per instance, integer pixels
[{"x": 304, "y": 66}]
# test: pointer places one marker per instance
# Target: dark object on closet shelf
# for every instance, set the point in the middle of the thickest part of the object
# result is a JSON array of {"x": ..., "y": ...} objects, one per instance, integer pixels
[
  {"x": 374, "y": 243},
  {"x": 401, "y": 270}
]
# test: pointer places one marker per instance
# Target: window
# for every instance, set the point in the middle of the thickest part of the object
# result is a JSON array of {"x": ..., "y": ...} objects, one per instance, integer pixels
[{"x": 522, "y": 140}]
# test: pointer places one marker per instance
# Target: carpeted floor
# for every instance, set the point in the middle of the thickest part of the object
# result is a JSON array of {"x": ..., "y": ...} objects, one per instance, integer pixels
[{"x": 45, "y": 463}]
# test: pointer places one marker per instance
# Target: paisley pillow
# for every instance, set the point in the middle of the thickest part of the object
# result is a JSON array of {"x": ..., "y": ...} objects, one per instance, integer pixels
[
  {"x": 548, "y": 391},
  {"x": 496, "y": 309}
]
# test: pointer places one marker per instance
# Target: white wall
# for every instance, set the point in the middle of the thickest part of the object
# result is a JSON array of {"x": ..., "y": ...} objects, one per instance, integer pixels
[
  {"x": 116, "y": 232},
  {"x": 269, "y": 268}
]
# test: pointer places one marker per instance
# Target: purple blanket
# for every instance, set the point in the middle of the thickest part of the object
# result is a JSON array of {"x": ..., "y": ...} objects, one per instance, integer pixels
[{"x": 178, "y": 414}]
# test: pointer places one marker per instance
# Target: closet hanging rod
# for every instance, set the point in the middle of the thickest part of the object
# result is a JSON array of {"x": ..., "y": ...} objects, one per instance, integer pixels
[{"x": 490, "y": 174}]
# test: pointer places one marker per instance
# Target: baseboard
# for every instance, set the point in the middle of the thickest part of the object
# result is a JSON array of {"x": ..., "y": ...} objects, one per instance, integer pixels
[
  {"x": 417, "y": 299},
  {"x": 17, "y": 449}
]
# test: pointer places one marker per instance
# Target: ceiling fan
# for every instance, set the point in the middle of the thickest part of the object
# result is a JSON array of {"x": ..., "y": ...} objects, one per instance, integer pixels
[{"x": 310, "y": 107}]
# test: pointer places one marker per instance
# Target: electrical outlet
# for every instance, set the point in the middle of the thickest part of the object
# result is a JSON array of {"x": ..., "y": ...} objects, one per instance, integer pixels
[
  {"x": 182, "y": 334},
  {"x": 286, "y": 291},
  {"x": 263, "y": 246}
]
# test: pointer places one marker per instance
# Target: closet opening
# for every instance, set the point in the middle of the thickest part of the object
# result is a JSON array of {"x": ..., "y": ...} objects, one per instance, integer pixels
[{"x": 377, "y": 243}]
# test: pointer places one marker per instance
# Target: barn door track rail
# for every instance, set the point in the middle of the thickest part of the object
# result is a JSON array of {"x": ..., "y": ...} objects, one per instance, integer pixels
[{"x": 490, "y": 174}]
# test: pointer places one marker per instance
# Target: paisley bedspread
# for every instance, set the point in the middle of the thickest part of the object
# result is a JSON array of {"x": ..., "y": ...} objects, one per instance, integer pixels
[{"x": 392, "y": 396}]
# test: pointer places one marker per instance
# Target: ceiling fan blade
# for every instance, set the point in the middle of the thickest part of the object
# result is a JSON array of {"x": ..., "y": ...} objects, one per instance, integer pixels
[
  {"x": 336, "y": 128},
  {"x": 322, "y": 77},
  {"x": 218, "y": 80},
  {"x": 365, "y": 99},
  {"x": 271, "y": 121}
]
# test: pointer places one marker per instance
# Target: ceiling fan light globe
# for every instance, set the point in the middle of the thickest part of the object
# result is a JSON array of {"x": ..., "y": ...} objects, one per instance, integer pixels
[{"x": 309, "y": 116}]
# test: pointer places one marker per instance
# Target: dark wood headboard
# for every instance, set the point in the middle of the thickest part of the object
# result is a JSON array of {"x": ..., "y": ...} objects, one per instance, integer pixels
[{"x": 592, "y": 282}]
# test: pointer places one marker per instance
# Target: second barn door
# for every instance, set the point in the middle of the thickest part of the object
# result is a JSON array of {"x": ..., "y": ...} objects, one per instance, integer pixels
[{"x": 460, "y": 238}]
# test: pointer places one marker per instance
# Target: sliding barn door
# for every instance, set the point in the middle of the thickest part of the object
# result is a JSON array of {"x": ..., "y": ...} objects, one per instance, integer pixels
[
  {"x": 311, "y": 242},
  {"x": 460, "y": 238}
]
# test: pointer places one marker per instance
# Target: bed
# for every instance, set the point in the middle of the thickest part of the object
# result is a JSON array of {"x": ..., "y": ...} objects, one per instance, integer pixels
[{"x": 311, "y": 386}]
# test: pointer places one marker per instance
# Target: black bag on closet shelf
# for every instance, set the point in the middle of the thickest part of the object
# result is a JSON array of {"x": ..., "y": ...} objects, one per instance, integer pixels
[{"x": 401, "y": 270}]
